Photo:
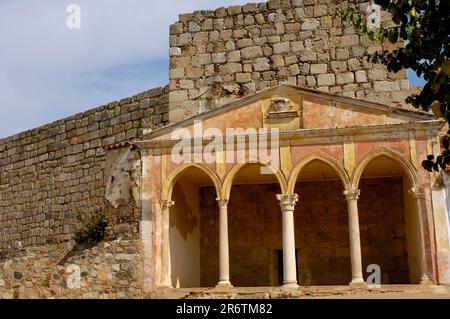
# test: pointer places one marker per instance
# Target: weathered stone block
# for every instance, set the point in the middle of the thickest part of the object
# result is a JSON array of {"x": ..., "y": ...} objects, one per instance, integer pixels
[
  {"x": 185, "y": 39},
  {"x": 345, "y": 78},
  {"x": 385, "y": 86},
  {"x": 178, "y": 96},
  {"x": 310, "y": 24},
  {"x": 308, "y": 55},
  {"x": 326, "y": 79},
  {"x": 219, "y": 57},
  {"x": 349, "y": 40},
  {"x": 261, "y": 64},
  {"x": 243, "y": 77},
  {"x": 174, "y": 51},
  {"x": 194, "y": 27},
  {"x": 251, "y": 52},
  {"x": 319, "y": 68},
  {"x": 279, "y": 48},
  {"x": 230, "y": 68},
  {"x": 250, "y": 8},
  {"x": 342, "y": 54},
  {"x": 176, "y": 73},
  {"x": 234, "y": 10},
  {"x": 361, "y": 76},
  {"x": 376, "y": 74}
]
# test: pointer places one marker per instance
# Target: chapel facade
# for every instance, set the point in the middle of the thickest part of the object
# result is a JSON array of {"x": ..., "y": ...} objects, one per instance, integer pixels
[
  {"x": 278, "y": 155},
  {"x": 338, "y": 191}
]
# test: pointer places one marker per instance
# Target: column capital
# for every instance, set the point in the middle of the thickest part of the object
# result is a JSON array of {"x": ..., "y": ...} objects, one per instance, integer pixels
[
  {"x": 287, "y": 201},
  {"x": 415, "y": 192},
  {"x": 223, "y": 202},
  {"x": 352, "y": 194},
  {"x": 167, "y": 203}
]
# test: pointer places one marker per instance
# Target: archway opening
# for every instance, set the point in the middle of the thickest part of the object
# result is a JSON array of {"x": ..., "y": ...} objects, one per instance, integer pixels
[
  {"x": 255, "y": 229},
  {"x": 321, "y": 227},
  {"x": 188, "y": 248},
  {"x": 388, "y": 222}
]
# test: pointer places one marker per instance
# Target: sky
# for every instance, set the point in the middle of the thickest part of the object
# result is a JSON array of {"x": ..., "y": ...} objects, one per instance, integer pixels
[{"x": 49, "y": 71}]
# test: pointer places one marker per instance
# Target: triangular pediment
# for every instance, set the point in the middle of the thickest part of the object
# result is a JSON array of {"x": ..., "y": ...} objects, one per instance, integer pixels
[{"x": 288, "y": 107}]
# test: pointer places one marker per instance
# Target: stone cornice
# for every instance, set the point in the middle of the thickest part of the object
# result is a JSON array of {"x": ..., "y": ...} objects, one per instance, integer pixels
[{"x": 334, "y": 135}]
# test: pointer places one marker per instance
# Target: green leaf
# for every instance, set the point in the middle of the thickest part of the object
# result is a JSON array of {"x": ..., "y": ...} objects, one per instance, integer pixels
[{"x": 427, "y": 165}]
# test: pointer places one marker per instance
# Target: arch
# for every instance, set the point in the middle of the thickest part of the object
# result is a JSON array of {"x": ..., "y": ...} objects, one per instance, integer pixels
[
  {"x": 406, "y": 165},
  {"x": 173, "y": 177},
  {"x": 323, "y": 157},
  {"x": 228, "y": 181}
]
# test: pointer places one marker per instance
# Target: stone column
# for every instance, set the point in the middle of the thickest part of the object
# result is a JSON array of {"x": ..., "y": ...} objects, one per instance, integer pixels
[
  {"x": 352, "y": 197},
  {"x": 287, "y": 205},
  {"x": 416, "y": 195},
  {"x": 224, "y": 259},
  {"x": 166, "y": 280}
]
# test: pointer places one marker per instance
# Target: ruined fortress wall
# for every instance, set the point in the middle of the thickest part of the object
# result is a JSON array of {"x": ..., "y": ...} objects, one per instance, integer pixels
[
  {"x": 218, "y": 56},
  {"x": 48, "y": 173}
]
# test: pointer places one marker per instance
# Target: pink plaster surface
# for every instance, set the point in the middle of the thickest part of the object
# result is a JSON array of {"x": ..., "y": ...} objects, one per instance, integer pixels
[
  {"x": 250, "y": 116},
  {"x": 343, "y": 115},
  {"x": 422, "y": 152},
  {"x": 299, "y": 152},
  {"x": 364, "y": 148},
  {"x": 156, "y": 215},
  {"x": 247, "y": 116},
  {"x": 443, "y": 261}
]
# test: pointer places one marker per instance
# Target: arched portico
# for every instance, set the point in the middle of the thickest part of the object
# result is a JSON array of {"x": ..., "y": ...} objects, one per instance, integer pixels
[
  {"x": 408, "y": 167},
  {"x": 180, "y": 218},
  {"x": 323, "y": 222},
  {"x": 177, "y": 173},
  {"x": 253, "y": 188},
  {"x": 402, "y": 256},
  {"x": 322, "y": 157},
  {"x": 269, "y": 169}
]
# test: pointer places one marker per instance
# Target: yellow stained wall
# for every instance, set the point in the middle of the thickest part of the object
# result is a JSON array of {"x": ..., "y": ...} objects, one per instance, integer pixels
[
  {"x": 412, "y": 233},
  {"x": 185, "y": 236}
]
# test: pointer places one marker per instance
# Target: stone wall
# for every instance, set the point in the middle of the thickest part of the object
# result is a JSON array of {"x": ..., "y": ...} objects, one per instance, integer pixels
[
  {"x": 219, "y": 56},
  {"x": 108, "y": 270},
  {"x": 48, "y": 173}
]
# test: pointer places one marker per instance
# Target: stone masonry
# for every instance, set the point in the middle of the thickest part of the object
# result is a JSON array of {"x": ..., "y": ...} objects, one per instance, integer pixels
[
  {"x": 219, "y": 56},
  {"x": 48, "y": 173}
]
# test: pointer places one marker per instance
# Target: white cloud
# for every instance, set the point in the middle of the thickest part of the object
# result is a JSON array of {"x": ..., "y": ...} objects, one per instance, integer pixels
[{"x": 48, "y": 71}]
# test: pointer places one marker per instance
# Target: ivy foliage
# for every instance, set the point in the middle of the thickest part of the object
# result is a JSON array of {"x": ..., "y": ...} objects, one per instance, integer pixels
[{"x": 91, "y": 227}]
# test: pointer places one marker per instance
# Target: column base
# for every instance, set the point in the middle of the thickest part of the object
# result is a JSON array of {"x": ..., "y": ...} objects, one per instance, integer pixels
[
  {"x": 358, "y": 284},
  {"x": 425, "y": 280},
  {"x": 165, "y": 286},
  {"x": 224, "y": 284},
  {"x": 290, "y": 286}
]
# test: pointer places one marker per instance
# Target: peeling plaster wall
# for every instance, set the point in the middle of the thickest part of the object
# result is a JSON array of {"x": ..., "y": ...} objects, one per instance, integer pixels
[
  {"x": 412, "y": 233},
  {"x": 185, "y": 236},
  {"x": 122, "y": 191}
]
